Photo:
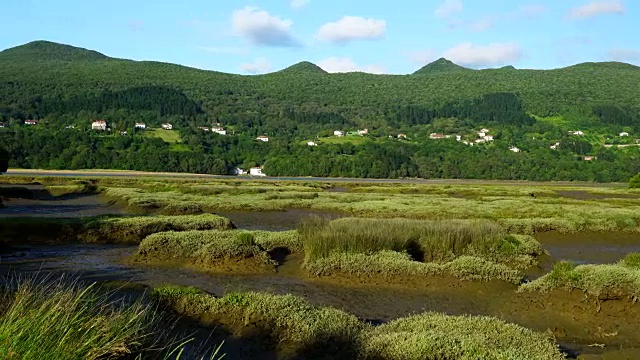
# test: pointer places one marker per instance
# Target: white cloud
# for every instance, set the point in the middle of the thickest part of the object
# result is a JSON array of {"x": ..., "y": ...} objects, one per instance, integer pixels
[
  {"x": 342, "y": 65},
  {"x": 423, "y": 57},
  {"x": 225, "y": 50},
  {"x": 478, "y": 56},
  {"x": 626, "y": 55},
  {"x": 352, "y": 28},
  {"x": 596, "y": 8},
  {"x": 448, "y": 8},
  {"x": 258, "y": 66},
  {"x": 262, "y": 28},
  {"x": 296, "y": 4}
]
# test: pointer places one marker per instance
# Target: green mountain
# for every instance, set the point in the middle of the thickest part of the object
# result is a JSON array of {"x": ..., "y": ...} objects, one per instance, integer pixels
[
  {"x": 303, "y": 68},
  {"x": 63, "y": 85},
  {"x": 50, "y": 51},
  {"x": 441, "y": 65}
]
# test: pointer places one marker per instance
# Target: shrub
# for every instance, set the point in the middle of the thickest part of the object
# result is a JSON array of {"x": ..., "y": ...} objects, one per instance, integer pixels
[
  {"x": 634, "y": 182},
  {"x": 439, "y": 336},
  {"x": 632, "y": 260}
]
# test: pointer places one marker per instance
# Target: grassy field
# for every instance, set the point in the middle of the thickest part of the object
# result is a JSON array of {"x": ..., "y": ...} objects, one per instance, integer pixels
[
  {"x": 349, "y": 139},
  {"x": 169, "y": 136}
]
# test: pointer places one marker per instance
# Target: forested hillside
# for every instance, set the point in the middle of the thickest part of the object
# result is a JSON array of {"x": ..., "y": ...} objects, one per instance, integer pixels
[{"x": 531, "y": 110}]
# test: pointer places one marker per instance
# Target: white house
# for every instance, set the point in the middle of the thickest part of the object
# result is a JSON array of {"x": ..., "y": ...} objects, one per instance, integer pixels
[
  {"x": 458, "y": 137},
  {"x": 123, "y": 133},
  {"x": 555, "y": 146},
  {"x": 263, "y": 138},
  {"x": 239, "y": 171},
  {"x": 31, "y": 122},
  {"x": 2, "y": 125},
  {"x": 99, "y": 125},
  {"x": 484, "y": 130},
  {"x": 311, "y": 143},
  {"x": 363, "y": 132},
  {"x": 204, "y": 128},
  {"x": 338, "y": 133},
  {"x": 140, "y": 126},
  {"x": 589, "y": 158},
  {"x": 488, "y": 138},
  {"x": 577, "y": 133},
  {"x": 436, "y": 136},
  {"x": 256, "y": 171},
  {"x": 167, "y": 126},
  {"x": 624, "y": 133},
  {"x": 482, "y": 134},
  {"x": 514, "y": 149},
  {"x": 69, "y": 127},
  {"x": 219, "y": 130}
]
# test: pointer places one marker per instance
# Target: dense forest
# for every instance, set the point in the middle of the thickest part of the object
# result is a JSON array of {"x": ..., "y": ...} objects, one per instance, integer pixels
[{"x": 528, "y": 112}]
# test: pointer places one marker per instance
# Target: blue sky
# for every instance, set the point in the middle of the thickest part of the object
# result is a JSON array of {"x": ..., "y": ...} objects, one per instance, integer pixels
[{"x": 397, "y": 37}]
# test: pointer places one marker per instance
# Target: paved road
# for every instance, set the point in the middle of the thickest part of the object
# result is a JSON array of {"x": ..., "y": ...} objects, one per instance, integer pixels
[{"x": 116, "y": 173}]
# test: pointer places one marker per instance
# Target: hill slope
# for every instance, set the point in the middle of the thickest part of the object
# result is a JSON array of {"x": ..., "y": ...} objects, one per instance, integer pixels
[{"x": 39, "y": 71}]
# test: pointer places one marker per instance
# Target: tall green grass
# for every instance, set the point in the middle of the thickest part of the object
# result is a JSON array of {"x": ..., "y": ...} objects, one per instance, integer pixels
[
  {"x": 64, "y": 320},
  {"x": 424, "y": 240}
]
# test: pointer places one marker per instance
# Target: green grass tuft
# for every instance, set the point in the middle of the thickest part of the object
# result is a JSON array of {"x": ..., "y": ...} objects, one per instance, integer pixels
[{"x": 439, "y": 336}]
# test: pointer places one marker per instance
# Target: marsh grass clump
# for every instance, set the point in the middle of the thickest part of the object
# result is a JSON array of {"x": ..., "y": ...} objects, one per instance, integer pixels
[
  {"x": 423, "y": 240},
  {"x": 216, "y": 249},
  {"x": 439, "y": 336},
  {"x": 132, "y": 230},
  {"x": 292, "y": 196},
  {"x": 65, "y": 320},
  {"x": 603, "y": 282},
  {"x": 290, "y": 324}
]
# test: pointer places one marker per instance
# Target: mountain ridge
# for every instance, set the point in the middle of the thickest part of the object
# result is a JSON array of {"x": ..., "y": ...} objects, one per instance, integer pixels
[{"x": 48, "y": 50}]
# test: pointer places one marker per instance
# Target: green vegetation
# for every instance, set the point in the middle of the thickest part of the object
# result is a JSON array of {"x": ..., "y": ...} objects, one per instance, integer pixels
[
  {"x": 103, "y": 230},
  {"x": 62, "y": 320},
  {"x": 133, "y": 230},
  {"x": 439, "y": 336},
  {"x": 239, "y": 251},
  {"x": 478, "y": 250},
  {"x": 297, "y": 329},
  {"x": 611, "y": 281},
  {"x": 290, "y": 323},
  {"x": 168, "y": 136},
  {"x": 634, "y": 183},
  {"x": 62, "y": 85}
]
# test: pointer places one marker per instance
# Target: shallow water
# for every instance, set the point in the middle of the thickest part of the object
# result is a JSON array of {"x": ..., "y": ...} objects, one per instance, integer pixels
[{"x": 590, "y": 247}]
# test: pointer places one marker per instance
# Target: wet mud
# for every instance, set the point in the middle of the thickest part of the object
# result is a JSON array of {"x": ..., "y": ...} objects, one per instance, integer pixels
[{"x": 273, "y": 220}]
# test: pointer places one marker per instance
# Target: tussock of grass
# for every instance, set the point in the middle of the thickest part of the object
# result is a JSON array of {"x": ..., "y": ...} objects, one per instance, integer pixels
[
  {"x": 388, "y": 263},
  {"x": 134, "y": 229},
  {"x": 213, "y": 248},
  {"x": 290, "y": 322},
  {"x": 428, "y": 240},
  {"x": 439, "y": 336},
  {"x": 63, "y": 320},
  {"x": 609, "y": 281},
  {"x": 474, "y": 250}
]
